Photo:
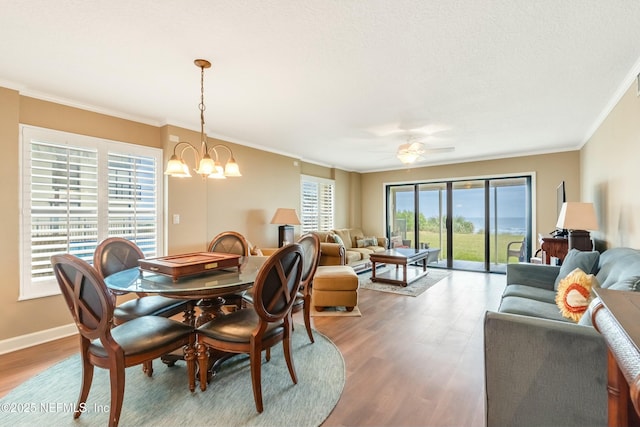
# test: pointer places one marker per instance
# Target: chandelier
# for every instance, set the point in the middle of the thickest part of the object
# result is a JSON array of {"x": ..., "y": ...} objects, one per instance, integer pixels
[{"x": 208, "y": 166}]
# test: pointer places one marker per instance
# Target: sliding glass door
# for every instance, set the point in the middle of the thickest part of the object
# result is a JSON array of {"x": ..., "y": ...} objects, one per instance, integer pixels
[
  {"x": 479, "y": 224},
  {"x": 401, "y": 214},
  {"x": 432, "y": 208},
  {"x": 510, "y": 221},
  {"x": 468, "y": 225}
]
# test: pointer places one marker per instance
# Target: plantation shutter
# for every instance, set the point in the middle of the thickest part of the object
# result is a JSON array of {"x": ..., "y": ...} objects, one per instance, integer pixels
[
  {"x": 132, "y": 200},
  {"x": 64, "y": 204},
  {"x": 75, "y": 192},
  {"x": 317, "y": 204}
]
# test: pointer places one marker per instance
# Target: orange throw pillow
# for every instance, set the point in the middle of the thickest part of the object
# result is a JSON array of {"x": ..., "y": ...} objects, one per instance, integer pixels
[{"x": 574, "y": 294}]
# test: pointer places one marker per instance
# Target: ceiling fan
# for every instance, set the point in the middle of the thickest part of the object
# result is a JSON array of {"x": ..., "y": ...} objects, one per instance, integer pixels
[{"x": 412, "y": 151}]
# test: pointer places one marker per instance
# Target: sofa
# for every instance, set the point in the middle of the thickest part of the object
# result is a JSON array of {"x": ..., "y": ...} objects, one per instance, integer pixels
[
  {"x": 542, "y": 369},
  {"x": 349, "y": 246}
]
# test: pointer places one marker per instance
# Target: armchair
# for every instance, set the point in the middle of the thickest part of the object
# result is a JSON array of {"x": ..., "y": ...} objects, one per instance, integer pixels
[{"x": 517, "y": 249}]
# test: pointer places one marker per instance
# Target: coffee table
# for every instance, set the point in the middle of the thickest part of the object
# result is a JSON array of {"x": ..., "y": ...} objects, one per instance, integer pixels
[{"x": 399, "y": 257}]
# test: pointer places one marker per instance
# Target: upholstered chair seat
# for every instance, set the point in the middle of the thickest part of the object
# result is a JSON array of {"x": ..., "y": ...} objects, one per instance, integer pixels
[
  {"x": 150, "y": 305},
  {"x": 143, "y": 334},
  {"x": 238, "y": 327}
]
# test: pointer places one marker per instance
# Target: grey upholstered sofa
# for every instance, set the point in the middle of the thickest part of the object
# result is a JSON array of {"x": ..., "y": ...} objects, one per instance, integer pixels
[{"x": 540, "y": 368}]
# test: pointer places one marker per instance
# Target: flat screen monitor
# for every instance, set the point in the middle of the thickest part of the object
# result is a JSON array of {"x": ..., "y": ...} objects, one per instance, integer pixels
[{"x": 561, "y": 197}]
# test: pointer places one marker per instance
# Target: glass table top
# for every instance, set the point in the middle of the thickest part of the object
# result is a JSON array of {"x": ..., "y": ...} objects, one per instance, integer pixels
[{"x": 135, "y": 280}]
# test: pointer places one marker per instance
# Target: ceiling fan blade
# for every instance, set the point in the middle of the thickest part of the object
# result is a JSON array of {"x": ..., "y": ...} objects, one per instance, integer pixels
[{"x": 435, "y": 150}]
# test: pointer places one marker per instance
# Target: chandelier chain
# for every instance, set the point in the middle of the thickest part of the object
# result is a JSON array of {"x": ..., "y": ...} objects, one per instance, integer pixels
[
  {"x": 202, "y": 108},
  {"x": 207, "y": 167}
]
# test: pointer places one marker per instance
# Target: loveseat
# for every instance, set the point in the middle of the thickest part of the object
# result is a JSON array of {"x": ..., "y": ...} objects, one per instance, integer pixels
[
  {"x": 542, "y": 369},
  {"x": 349, "y": 246}
]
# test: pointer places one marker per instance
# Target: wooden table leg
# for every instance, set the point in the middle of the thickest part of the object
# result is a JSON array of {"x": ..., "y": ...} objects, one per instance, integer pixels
[{"x": 404, "y": 274}]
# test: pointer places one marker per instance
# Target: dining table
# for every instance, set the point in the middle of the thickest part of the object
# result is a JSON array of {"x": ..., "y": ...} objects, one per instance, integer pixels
[{"x": 206, "y": 291}]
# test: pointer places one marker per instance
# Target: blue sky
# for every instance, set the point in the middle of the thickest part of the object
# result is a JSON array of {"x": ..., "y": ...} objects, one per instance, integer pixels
[{"x": 470, "y": 202}]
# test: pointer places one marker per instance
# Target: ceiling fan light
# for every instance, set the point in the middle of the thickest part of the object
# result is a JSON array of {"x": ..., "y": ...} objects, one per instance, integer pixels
[{"x": 407, "y": 157}]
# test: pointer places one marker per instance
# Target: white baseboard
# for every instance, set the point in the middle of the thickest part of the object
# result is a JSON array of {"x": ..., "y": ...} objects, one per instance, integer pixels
[{"x": 40, "y": 337}]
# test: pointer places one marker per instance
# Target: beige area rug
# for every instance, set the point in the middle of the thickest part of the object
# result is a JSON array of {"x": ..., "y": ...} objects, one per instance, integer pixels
[
  {"x": 335, "y": 311},
  {"x": 413, "y": 289}
]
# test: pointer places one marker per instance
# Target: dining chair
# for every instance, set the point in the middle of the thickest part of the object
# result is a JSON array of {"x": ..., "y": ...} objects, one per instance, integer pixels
[
  {"x": 115, "y": 254},
  {"x": 231, "y": 242},
  {"x": 310, "y": 243},
  {"x": 311, "y": 247},
  {"x": 261, "y": 326},
  {"x": 114, "y": 348}
]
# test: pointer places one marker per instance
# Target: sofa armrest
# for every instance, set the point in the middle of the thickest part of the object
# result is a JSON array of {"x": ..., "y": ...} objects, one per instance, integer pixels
[
  {"x": 542, "y": 372},
  {"x": 332, "y": 254},
  {"x": 537, "y": 275}
]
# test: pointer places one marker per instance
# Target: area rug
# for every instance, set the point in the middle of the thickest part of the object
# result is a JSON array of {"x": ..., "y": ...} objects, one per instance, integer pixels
[
  {"x": 336, "y": 311},
  {"x": 413, "y": 289},
  {"x": 165, "y": 400}
]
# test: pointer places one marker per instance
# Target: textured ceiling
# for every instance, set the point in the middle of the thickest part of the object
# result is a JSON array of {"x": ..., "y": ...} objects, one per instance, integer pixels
[{"x": 340, "y": 83}]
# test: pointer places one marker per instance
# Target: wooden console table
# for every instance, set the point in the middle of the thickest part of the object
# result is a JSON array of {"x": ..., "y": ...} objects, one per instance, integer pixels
[
  {"x": 553, "y": 247},
  {"x": 616, "y": 316}
]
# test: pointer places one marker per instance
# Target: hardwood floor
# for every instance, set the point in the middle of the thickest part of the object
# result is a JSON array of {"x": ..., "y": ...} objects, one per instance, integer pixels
[{"x": 409, "y": 361}]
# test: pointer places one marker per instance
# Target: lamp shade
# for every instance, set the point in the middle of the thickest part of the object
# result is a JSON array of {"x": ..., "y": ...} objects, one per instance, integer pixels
[
  {"x": 285, "y": 216},
  {"x": 577, "y": 216}
]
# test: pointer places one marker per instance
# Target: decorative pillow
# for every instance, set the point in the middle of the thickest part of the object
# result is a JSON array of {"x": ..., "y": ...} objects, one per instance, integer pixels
[
  {"x": 371, "y": 241},
  {"x": 574, "y": 294},
  {"x": 331, "y": 238},
  {"x": 585, "y": 261},
  {"x": 365, "y": 242},
  {"x": 337, "y": 239}
]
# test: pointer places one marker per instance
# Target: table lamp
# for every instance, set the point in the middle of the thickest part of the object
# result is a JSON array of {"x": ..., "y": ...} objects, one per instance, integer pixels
[
  {"x": 287, "y": 218},
  {"x": 578, "y": 218}
]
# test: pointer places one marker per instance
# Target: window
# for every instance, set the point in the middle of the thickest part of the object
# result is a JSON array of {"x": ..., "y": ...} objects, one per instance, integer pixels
[
  {"x": 78, "y": 190},
  {"x": 317, "y": 204}
]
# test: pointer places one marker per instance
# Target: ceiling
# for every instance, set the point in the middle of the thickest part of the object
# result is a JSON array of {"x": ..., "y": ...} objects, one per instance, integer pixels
[{"x": 340, "y": 83}]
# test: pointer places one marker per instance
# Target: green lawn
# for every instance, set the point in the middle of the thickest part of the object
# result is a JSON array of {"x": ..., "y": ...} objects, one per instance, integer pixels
[{"x": 470, "y": 247}]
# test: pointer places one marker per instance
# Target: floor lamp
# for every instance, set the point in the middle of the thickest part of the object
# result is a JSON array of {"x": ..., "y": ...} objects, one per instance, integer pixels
[
  {"x": 578, "y": 218},
  {"x": 287, "y": 218}
]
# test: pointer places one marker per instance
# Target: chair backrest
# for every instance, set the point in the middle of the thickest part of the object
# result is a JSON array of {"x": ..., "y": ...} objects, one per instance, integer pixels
[
  {"x": 230, "y": 242},
  {"x": 278, "y": 282},
  {"x": 86, "y": 295},
  {"x": 311, "y": 247},
  {"x": 116, "y": 254}
]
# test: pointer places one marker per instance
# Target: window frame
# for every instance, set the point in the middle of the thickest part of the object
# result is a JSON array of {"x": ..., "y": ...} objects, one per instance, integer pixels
[
  {"x": 321, "y": 221},
  {"x": 47, "y": 286}
]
